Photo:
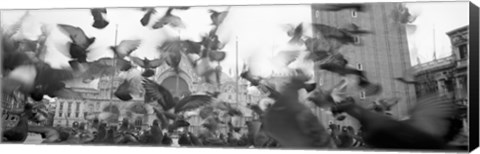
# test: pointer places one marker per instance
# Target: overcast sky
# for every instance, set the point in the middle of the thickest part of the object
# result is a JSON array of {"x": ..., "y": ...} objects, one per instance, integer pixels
[
  {"x": 444, "y": 16},
  {"x": 258, "y": 29}
]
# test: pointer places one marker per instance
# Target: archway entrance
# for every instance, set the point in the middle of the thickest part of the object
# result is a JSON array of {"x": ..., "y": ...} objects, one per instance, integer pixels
[{"x": 176, "y": 85}]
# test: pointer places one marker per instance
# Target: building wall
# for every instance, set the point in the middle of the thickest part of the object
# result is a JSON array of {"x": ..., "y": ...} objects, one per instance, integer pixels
[
  {"x": 228, "y": 94},
  {"x": 460, "y": 49},
  {"x": 383, "y": 55},
  {"x": 95, "y": 101},
  {"x": 189, "y": 82},
  {"x": 448, "y": 76},
  {"x": 68, "y": 111},
  {"x": 435, "y": 77}
]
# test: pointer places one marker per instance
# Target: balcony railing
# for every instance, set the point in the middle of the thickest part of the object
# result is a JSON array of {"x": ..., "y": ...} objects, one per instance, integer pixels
[{"x": 435, "y": 63}]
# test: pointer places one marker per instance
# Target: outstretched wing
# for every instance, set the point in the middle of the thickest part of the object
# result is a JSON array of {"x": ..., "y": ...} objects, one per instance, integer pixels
[
  {"x": 48, "y": 75},
  {"x": 389, "y": 103},
  {"x": 321, "y": 98},
  {"x": 218, "y": 17},
  {"x": 77, "y": 35},
  {"x": 157, "y": 62},
  {"x": 354, "y": 29},
  {"x": 137, "y": 108},
  {"x": 309, "y": 125},
  {"x": 126, "y": 47},
  {"x": 231, "y": 111},
  {"x": 91, "y": 70},
  {"x": 193, "y": 102},
  {"x": 206, "y": 112},
  {"x": 217, "y": 55},
  {"x": 137, "y": 61},
  {"x": 431, "y": 114},
  {"x": 328, "y": 31},
  {"x": 283, "y": 59},
  {"x": 296, "y": 35},
  {"x": 101, "y": 68},
  {"x": 156, "y": 92},
  {"x": 192, "y": 47},
  {"x": 341, "y": 70},
  {"x": 161, "y": 116},
  {"x": 176, "y": 46},
  {"x": 169, "y": 19}
]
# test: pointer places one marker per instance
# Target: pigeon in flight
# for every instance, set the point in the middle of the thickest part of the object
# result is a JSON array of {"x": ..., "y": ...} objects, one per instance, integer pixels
[
  {"x": 99, "y": 17},
  {"x": 425, "y": 128}
]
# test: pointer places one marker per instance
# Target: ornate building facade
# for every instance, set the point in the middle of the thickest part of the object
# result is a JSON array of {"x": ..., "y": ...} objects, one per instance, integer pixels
[
  {"x": 460, "y": 50},
  {"x": 435, "y": 77},
  {"x": 448, "y": 76},
  {"x": 69, "y": 111}
]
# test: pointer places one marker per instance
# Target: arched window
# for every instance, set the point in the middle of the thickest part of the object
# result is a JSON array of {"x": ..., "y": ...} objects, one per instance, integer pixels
[
  {"x": 90, "y": 108},
  {"x": 176, "y": 85}
]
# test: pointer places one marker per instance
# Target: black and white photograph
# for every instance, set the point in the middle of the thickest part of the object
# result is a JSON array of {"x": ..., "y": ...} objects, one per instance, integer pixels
[{"x": 323, "y": 76}]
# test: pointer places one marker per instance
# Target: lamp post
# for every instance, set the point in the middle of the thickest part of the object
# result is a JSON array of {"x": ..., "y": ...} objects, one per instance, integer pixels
[{"x": 115, "y": 71}]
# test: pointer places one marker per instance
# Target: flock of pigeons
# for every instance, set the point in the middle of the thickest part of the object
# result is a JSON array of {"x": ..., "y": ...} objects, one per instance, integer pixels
[
  {"x": 433, "y": 122},
  {"x": 287, "y": 123},
  {"x": 26, "y": 72}
]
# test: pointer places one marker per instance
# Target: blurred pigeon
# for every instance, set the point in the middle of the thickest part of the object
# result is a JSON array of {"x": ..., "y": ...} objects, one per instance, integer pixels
[
  {"x": 146, "y": 18},
  {"x": 80, "y": 41},
  {"x": 383, "y": 105},
  {"x": 290, "y": 122},
  {"x": 345, "y": 35},
  {"x": 170, "y": 19},
  {"x": 256, "y": 81},
  {"x": 426, "y": 127},
  {"x": 405, "y": 81},
  {"x": 124, "y": 91},
  {"x": 172, "y": 53},
  {"x": 371, "y": 88},
  {"x": 401, "y": 14},
  {"x": 99, "y": 18},
  {"x": 148, "y": 65},
  {"x": 125, "y": 48},
  {"x": 296, "y": 33},
  {"x": 90, "y": 71},
  {"x": 46, "y": 81},
  {"x": 217, "y": 17}
]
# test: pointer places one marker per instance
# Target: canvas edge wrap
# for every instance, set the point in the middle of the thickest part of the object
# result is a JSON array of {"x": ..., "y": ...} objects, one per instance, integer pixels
[
  {"x": 473, "y": 45},
  {"x": 473, "y": 74},
  {"x": 1, "y": 76}
]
